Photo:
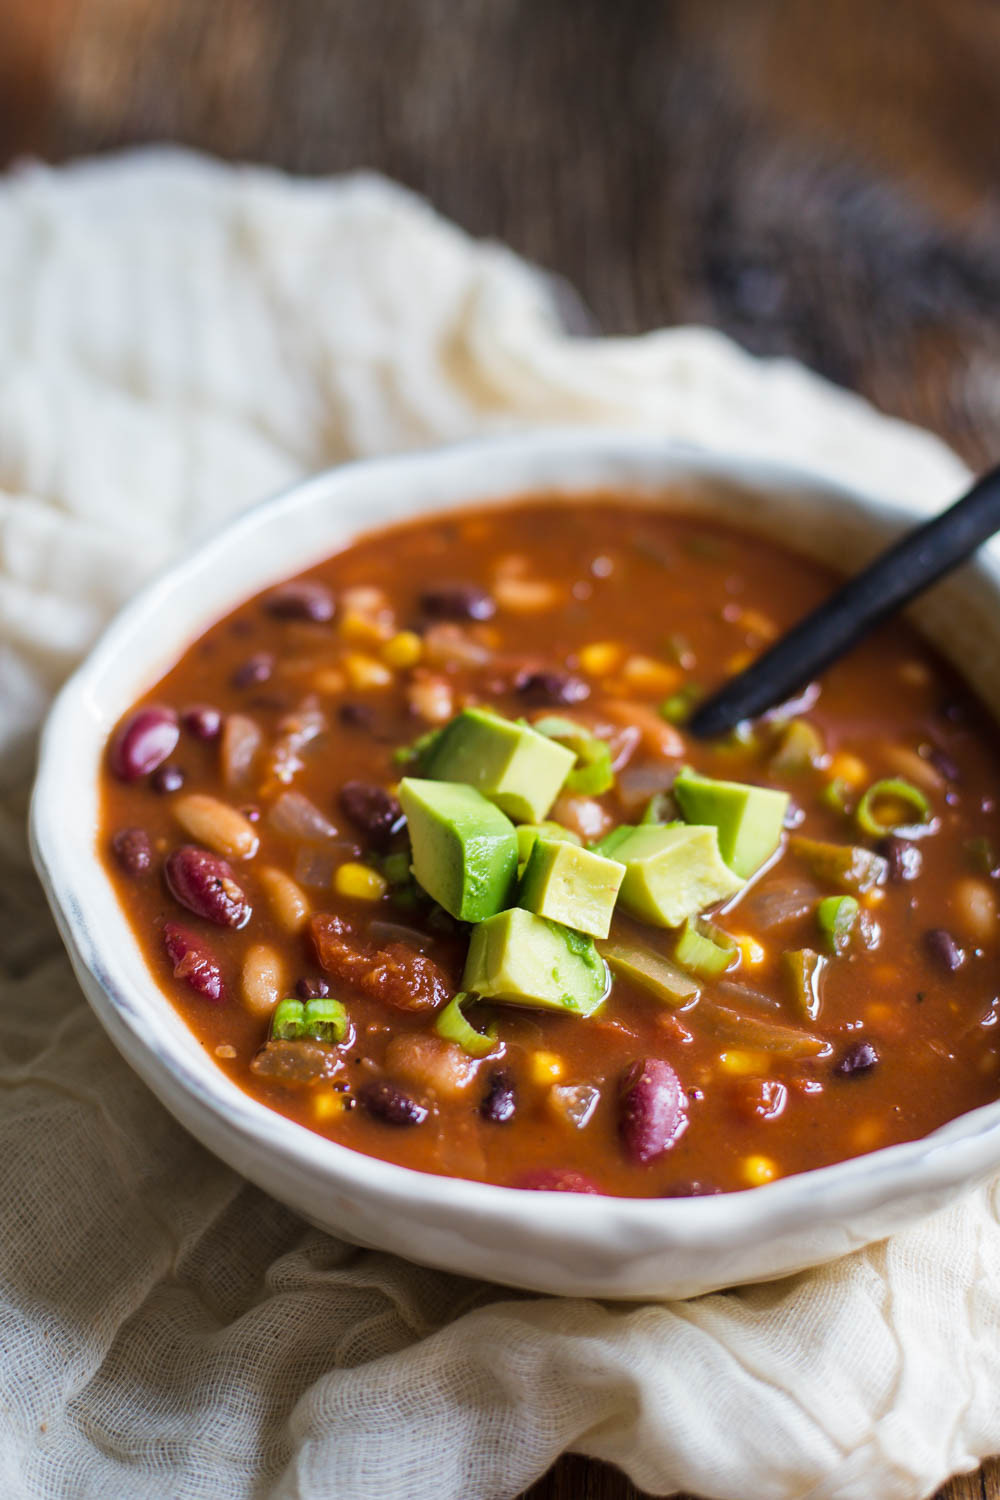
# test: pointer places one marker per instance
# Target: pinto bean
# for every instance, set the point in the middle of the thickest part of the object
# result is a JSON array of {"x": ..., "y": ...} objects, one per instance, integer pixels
[
  {"x": 205, "y": 884},
  {"x": 193, "y": 961},
  {"x": 262, "y": 979},
  {"x": 216, "y": 824},
  {"x": 287, "y": 901},
  {"x": 652, "y": 1109},
  {"x": 143, "y": 742}
]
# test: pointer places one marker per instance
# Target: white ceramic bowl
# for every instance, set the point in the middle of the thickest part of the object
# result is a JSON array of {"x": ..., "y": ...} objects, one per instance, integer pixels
[{"x": 563, "y": 1243}]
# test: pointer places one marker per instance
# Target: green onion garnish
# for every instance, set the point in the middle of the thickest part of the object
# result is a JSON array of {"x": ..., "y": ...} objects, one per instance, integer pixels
[
  {"x": 835, "y": 795},
  {"x": 451, "y": 1024},
  {"x": 895, "y": 789},
  {"x": 325, "y": 1020},
  {"x": 704, "y": 950},
  {"x": 836, "y": 916},
  {"x": 678, "y": 707},
  {"x": 592, "y": 773},
  {"x": 286, "y": 1020},
  {"x": 801, "y": 747}
]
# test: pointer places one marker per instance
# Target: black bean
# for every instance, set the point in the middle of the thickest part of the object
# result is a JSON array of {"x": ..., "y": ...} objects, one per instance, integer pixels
[
  {"x": 457, "y": 601},
  {"x": 372, "y": 809},
  {"x": 860, "y": 1057},
  {"x": 133, "y": 850},
  {"x": 902, "y": 856},
  {"x": 500, "y": 1102},
  {"x": 311, "y": 989},
  {"x": 386, "y": 1102},
  {"x": 167, "y": 779},
  {"x": 943, "y": 948},
  {"x": 542, "y": 688},
  {"x": 255, "y": 670},
  {"x": 356, "y": 715},
  {"x": 943, "y": 763},
  {"x": 301, "y": 599},
  {"x": 203, "y": 721}
]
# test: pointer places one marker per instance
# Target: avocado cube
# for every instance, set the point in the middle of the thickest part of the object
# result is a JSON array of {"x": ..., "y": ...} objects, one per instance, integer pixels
[
  {"x": 523, "y": 959},
  {"x": 511, "y": 764},
  {"x": 571, "y": 885},
  {"x": 610, "y": 842},
  {"x": 464, "y": 849},
  {"x": 749, "y": 818},
  {"x": 527, "y": 833},
  {"x": 672, "y": 872}
]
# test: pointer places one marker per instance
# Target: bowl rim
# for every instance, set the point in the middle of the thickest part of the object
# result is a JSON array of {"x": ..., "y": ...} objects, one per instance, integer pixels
[{"x": 959, "y": 1151}]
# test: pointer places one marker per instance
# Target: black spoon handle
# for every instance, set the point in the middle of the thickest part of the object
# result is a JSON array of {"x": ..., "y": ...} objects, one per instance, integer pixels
[{"x": 910, "y": 565}]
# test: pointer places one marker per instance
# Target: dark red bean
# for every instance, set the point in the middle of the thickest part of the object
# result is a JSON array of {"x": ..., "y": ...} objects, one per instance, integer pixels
[
  {"x": 943, "y": 763},
  {"x": 653, "y": 1109},
  {"x": 388, "y": 1103},
  {"x": 255, "y": 670},
  {"x": 372, "y": 809},
  {"x": 943, "y": 948},
  {"x": 167, "y": 779},
  {"x": 902, "y": 856},
  {"x": 555, "y": 1180},
  {"x": 143, "y": 742},
  {"x": 301, "y": 599},
  {"x": 540, "y": 688},
  {"x": 457, "y": 601},
  {"x": 193, "y": 962},
  {"x": 356, "y": 716},
  {"x": 690, "y": 1188},
  {"x": 203, "y": 721},
  {"x": 500, "y": 1102},
  {"x": 311, "y": 989},
  {"x": 205, "y": 884},
  {"x": 859, "y": 1058},
  {"x": 133, "y": 850}
]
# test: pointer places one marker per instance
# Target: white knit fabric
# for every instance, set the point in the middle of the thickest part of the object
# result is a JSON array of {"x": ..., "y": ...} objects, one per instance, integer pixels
[{"x": 178, "y": 339}]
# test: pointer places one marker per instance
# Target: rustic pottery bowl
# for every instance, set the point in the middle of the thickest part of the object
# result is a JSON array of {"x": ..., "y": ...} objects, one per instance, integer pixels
[{"x": 562, "y": 1243}]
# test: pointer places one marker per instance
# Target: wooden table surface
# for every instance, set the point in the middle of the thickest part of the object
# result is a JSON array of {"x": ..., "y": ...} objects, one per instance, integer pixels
[{"x": 820, "y": 180}]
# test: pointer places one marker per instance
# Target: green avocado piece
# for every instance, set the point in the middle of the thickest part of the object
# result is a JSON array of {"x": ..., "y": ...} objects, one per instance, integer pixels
[
  {"x": 464, "y": 848},
  {"x": 672, "y": 872},
  {"x": 749, "y": 818},
  {"x": 524, "y": 959},
  {"x": 610, "y": 842},
  {"x": 511, "y": 764},
  {"x": 527, "y": 833},
  {"x": 571, "y": 885}
]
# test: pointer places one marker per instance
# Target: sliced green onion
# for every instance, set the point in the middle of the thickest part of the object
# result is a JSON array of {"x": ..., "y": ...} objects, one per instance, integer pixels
[
  {"x": 661, "y": 808},
  {"x": 592, "y": 773},
  {"x": 396, "y": 869},
  {"x": 836, "y": 916},
  {"x": 325, "y": 1020},
  {"x": 416, "y": 754},
  {"x": 678, "y": 707},
  {"x": 801, "y": 746},
  {"x": 845, "y": 865},
  {"x": 607, "y": 844},
  {"x": 704, "y": 950},
  {"x": 836, "y": 794},
  {"x": 451, "y": 1024},
  {"x": 805, "y": 969},
  {"x": 650, "y": 971},
  {"x": 897, "y": 790},
  {"x": 286, "y": 1020}
]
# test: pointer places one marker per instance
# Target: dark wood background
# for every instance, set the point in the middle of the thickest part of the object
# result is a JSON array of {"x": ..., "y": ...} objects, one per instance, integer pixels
[{"x": 819, "y": 178}]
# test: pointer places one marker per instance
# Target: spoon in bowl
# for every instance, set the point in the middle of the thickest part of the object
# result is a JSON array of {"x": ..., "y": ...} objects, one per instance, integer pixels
[{"x": 895, "y": 577}]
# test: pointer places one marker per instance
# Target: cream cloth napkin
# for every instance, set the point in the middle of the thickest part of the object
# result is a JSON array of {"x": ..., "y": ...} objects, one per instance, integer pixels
[{"x": 178, "y": 339}]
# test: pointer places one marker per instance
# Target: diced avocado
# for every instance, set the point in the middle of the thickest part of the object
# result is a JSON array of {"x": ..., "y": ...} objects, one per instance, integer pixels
[
  {"x": 518, "y": 769},
  {"x": 571, "y": 885},
  {"x": 610, "y": 842},
  {"x": 464, "y": 848},
  {"x": 526, "y": 960},
  {"x": 527, "y": 833},
  {"x": 749, "y": 818},
  {"x": 673, "y": 872}
]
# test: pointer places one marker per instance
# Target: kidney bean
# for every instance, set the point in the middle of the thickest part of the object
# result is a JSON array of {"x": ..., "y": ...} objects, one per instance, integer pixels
[
  {"x": 203, "y": 721},
  {"x": 133, "y": 850},
  {"x": 540, "y": 688},
  {"x": 457, "y": 601},
  {"x": 943, "y": 948},
  {"x": 167, "y": 779},
  {"x": 356, "y": 715},
  {"x": 500, "y": 1102},
  {"x": 301, "y": 599},
  {"x": 193, "y": 962},
  {"x": 374, "y": 810},
  {"x": 859, "y": 1058},
  {"x": 902, "y": 856},
  {"x": 255, "y": 670},
  {"x": 205, "y": 884},
  {"x": 143, "y": 742},
  {"x": 555, "y": 1180},
  {"x": 943, "y": 763},
  {"x": 311, "y": 989},
  {"x": 653, "y": 1109},
  {"x": 387, "y": 1102}
]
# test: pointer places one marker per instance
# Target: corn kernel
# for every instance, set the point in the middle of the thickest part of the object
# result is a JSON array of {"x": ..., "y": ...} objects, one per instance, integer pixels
[
  {"x": 649, "y": 675},
  {"x": 738, "y": 662},
  {"x": 362, "y": 629},
  {"x": 546, "y": 1067},
  {"x": 867, "y": 1133},
  {"x": 742, "y": 1063},
  {"x": 329, "y": 680},
  {"x": 759, "y": 1169},
  {"x": 878, "y": 1011},
  {"x": 751, "y": 952},
  {"x": 359, "y": 881},
  {"x": 873, "y": 898},
  {"x": 365, "y": 671},
  {"x": 847, "y": 767},
  {"x": 328, "y": 1106},
  {"x": 404, "y": 650},
  {"x": 600, "y": 657},
  {"x": 761, "y": 625}
]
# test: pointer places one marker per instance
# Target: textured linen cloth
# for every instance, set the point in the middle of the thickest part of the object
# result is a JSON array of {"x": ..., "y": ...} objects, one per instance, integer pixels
[{"x": 177, "y": 340}]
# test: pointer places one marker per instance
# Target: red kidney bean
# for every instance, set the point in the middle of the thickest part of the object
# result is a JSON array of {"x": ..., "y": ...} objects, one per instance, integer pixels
[
  {"x": 457, "y": 601},
  {"x": 193, "y": 962},
  {"x": 653, "y": 1109},
  {"x": 301, "y": 599},
  {"x": 555, "y": 1180},
  {"x": 943, "y": 948},
  {"x": 255, "y": 670},
  {"x": 387, "y": 1102},
  {"x": 859, "y": 1058},
  {"x": 500, "y": 1102},
  {"x": 143, "y": 742},
  {"x": 167, "y": 779},
  {"x": 540, "y": 688},
  {"x": 311, "y": 989},
  {"x": 205, "y": 884},
  {"x": 902, "y": 856},
  {"x": 203, "y": 721},
  {"x": 133, "y": 850},
  {"x": 374, "y": 810}
]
